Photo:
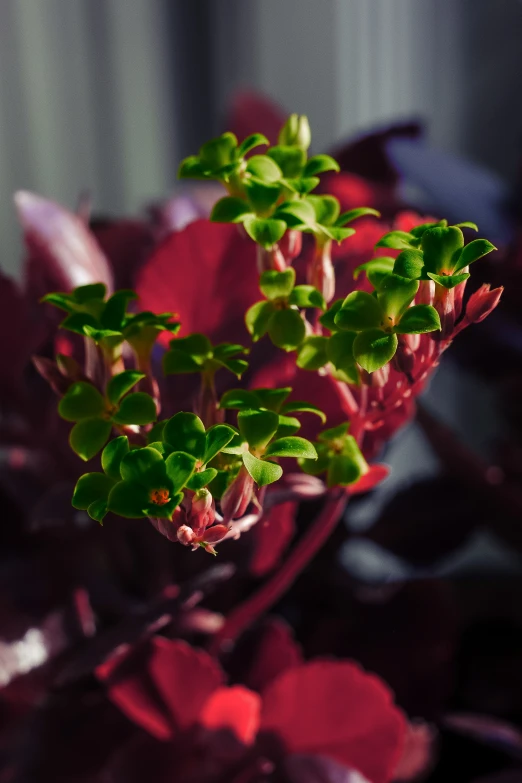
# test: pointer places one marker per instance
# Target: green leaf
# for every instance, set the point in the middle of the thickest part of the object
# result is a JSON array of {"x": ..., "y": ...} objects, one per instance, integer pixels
[
  {"x": 275, "y": 285},
  {"x": 328, "y": 319},
  {"x": 334, "y": 433},
  {"x": 236, "y": 446},
  {"x": 186, "y": 432},
  {"x": 342, "y": 471},
  {"x": 88, "y": 436},
  {"x": 301, "y": 185},
  {"x": 338, "y": 234},
  {"x": 91, "y": 487},
  {"x": 62, "y": 301},
  {"x": 374, "y": 348},
  {"x": 303, "y": 407},
  {"x": 290, "y": 159},
  {"x": 418, "y": 319},
  {"x": 262, "y": 195},
  {"x": 254, "y": 140},
  {"x": 218, "y": 152},
  {"x": 264, "y": 168},
  {"x": 467, "y": 224},
  {"x": 315, "y": 467},
  {"x": 257, "y": 427},
  {"x": 311, "y": 354},
  {"x": 218, "y": 436},
  {"x": 272, "y": 399},
  {"x": 442, "y": 247},
  {"x": 395, "y": 294},
  {"x": 156, "y": 432},
  {"x": 162, "y": 448},
  {"x": 287, "y": 329},
  {"x": 353, "y": 214},
  {"x": 239, "y": 399},
  {"x": 266, "y": 232},
  {"x": 236, "y": 366},
  {"x": 108, "y": 337},
  {"x": 193, "y": 168},
  {"x": 177, "y": 362},
  {"x": 359, "y": 310},
  {"x": 128, "y": 499},
  {"x": 86, "y": 293},
  {"x": 262, "y": 472},
  {"x": 81, "y": 401},
  {"x": 226, "y": 350},
  {"x": 296, "y": 214},
  {"x": 112, "y": 455},
  {"x": 448, "y": 281},
  {"x": 418, "y": 231},
  {"x": 320, "y": 163},
  {"x": 375, "y": 270},
  {"x": 291, "y": 447},
  {"x": 472, "y": 252},
  {"x": 194, "y": 344},
  {"x": 180, "y": 467},
  {"x": 326, "y": 208},
  {"x": 339, "y": 350},
  {"x": 307, "y": 296},
  {"x": 397, "y": 240},
  {"x": 122, "y": 383},
  {"x": 136, "y": 408},
  {"x": 79, "y": 322},
  {"x": 114, "y": 311},
  {"x": 145, "y": 467},
  {"x": 98, "y": 510},
  {"x": 257, "y": 319},
  {"x": 288, "y": 425},
  {"x": 409, "y": 264},
  {"x": 229, "y": 210},
  {"x": 201, "y": 479}
]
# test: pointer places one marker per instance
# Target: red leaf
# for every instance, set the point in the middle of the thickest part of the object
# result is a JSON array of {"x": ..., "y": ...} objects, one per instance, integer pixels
[
  {"x": 375, "y": 475},
  {"x": 276, "y": 651},
  {"x": 335, "y": 709},
  {"x": 205, "y": 273},
  {"x": 126, "y": 243},
  {"x": 236, "y": 709},
  {"x": 63, "y": 252},
  {"x": 161, "y": 685},
  {"x": 272, "y": 534}
]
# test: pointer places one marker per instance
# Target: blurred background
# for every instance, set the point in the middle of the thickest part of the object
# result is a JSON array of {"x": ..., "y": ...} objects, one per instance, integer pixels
[{"x": 109, "y": 95}]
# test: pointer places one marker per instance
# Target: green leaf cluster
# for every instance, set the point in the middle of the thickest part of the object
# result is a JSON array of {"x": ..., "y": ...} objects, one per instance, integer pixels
[
  {"x": 278, "y": 315},
  {"x": 95, "y": 415},
  {"x": 196, "y": 353},
  {"x": 106, "y": 321},
  {"x": 339, "y": 457}
]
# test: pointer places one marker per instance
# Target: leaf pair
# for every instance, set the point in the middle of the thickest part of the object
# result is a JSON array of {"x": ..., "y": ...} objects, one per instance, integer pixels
[
  {"x": 279, "y": 316},
  {"x": 271, "y": 400},
  {"x": 196, "y": 353},
  {"x": 95, "y": 415},
  {"x": 339, "y": 457}
]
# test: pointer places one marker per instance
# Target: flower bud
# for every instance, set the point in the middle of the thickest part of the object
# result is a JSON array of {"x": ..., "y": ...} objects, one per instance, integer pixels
[
  {"x": 404, "y": 359},
  {"x": 291, "y": 243},
  {"x": 459, "y": 293},
  {"x": 202, "y": 512},
  {"x": 444, "y": 304},
  {"x": 377, "y": 379},
  {"x": 237, "y": 496},
  {"x": 185, "y": 535},
  {"x": 320, "y": 272},
  {"x": 296, "y": 132},
  {"x": 482, "y": 303}
]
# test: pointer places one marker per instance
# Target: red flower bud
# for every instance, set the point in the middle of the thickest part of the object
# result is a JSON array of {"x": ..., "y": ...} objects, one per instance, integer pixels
[
  {"x": 482, "y": 303},
  {"x": 236, "y": 498},
  {"x": 445, "y": 306},
  {"x": 291, "y": 244},
  {"x": 185, "y": 535},
  {"x": 202, "y": 512},
  {"x": 270, "y": 259}
]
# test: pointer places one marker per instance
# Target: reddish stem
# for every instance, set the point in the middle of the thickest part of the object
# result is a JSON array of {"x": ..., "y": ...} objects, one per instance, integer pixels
[{"x": 250, "y": 610}]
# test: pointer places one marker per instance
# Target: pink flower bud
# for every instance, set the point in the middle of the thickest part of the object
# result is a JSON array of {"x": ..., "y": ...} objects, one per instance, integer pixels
[
  {"x": 445, "y": 306},
  {"x": 426, "y": 292},
  {"x": 482, "y": 303},
  {"x": 185, "y": 535},
  {"x": 291, "y": 244},
  {"x": 377, "y": 379},
  {"x": 202, "y": 512},
  {"x": 404, "y": 359},
  {"x": 237, "y": 496},
  {"x": 459, "y": 293},
  {"x": 320, "y": 272}
]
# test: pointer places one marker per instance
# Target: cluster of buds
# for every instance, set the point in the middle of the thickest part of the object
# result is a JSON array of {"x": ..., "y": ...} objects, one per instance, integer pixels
[{"x": 200, "y": 531}]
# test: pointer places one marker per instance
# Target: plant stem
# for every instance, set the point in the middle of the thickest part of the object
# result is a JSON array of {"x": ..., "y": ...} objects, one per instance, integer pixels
[{"x": 250, "y": 610}]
